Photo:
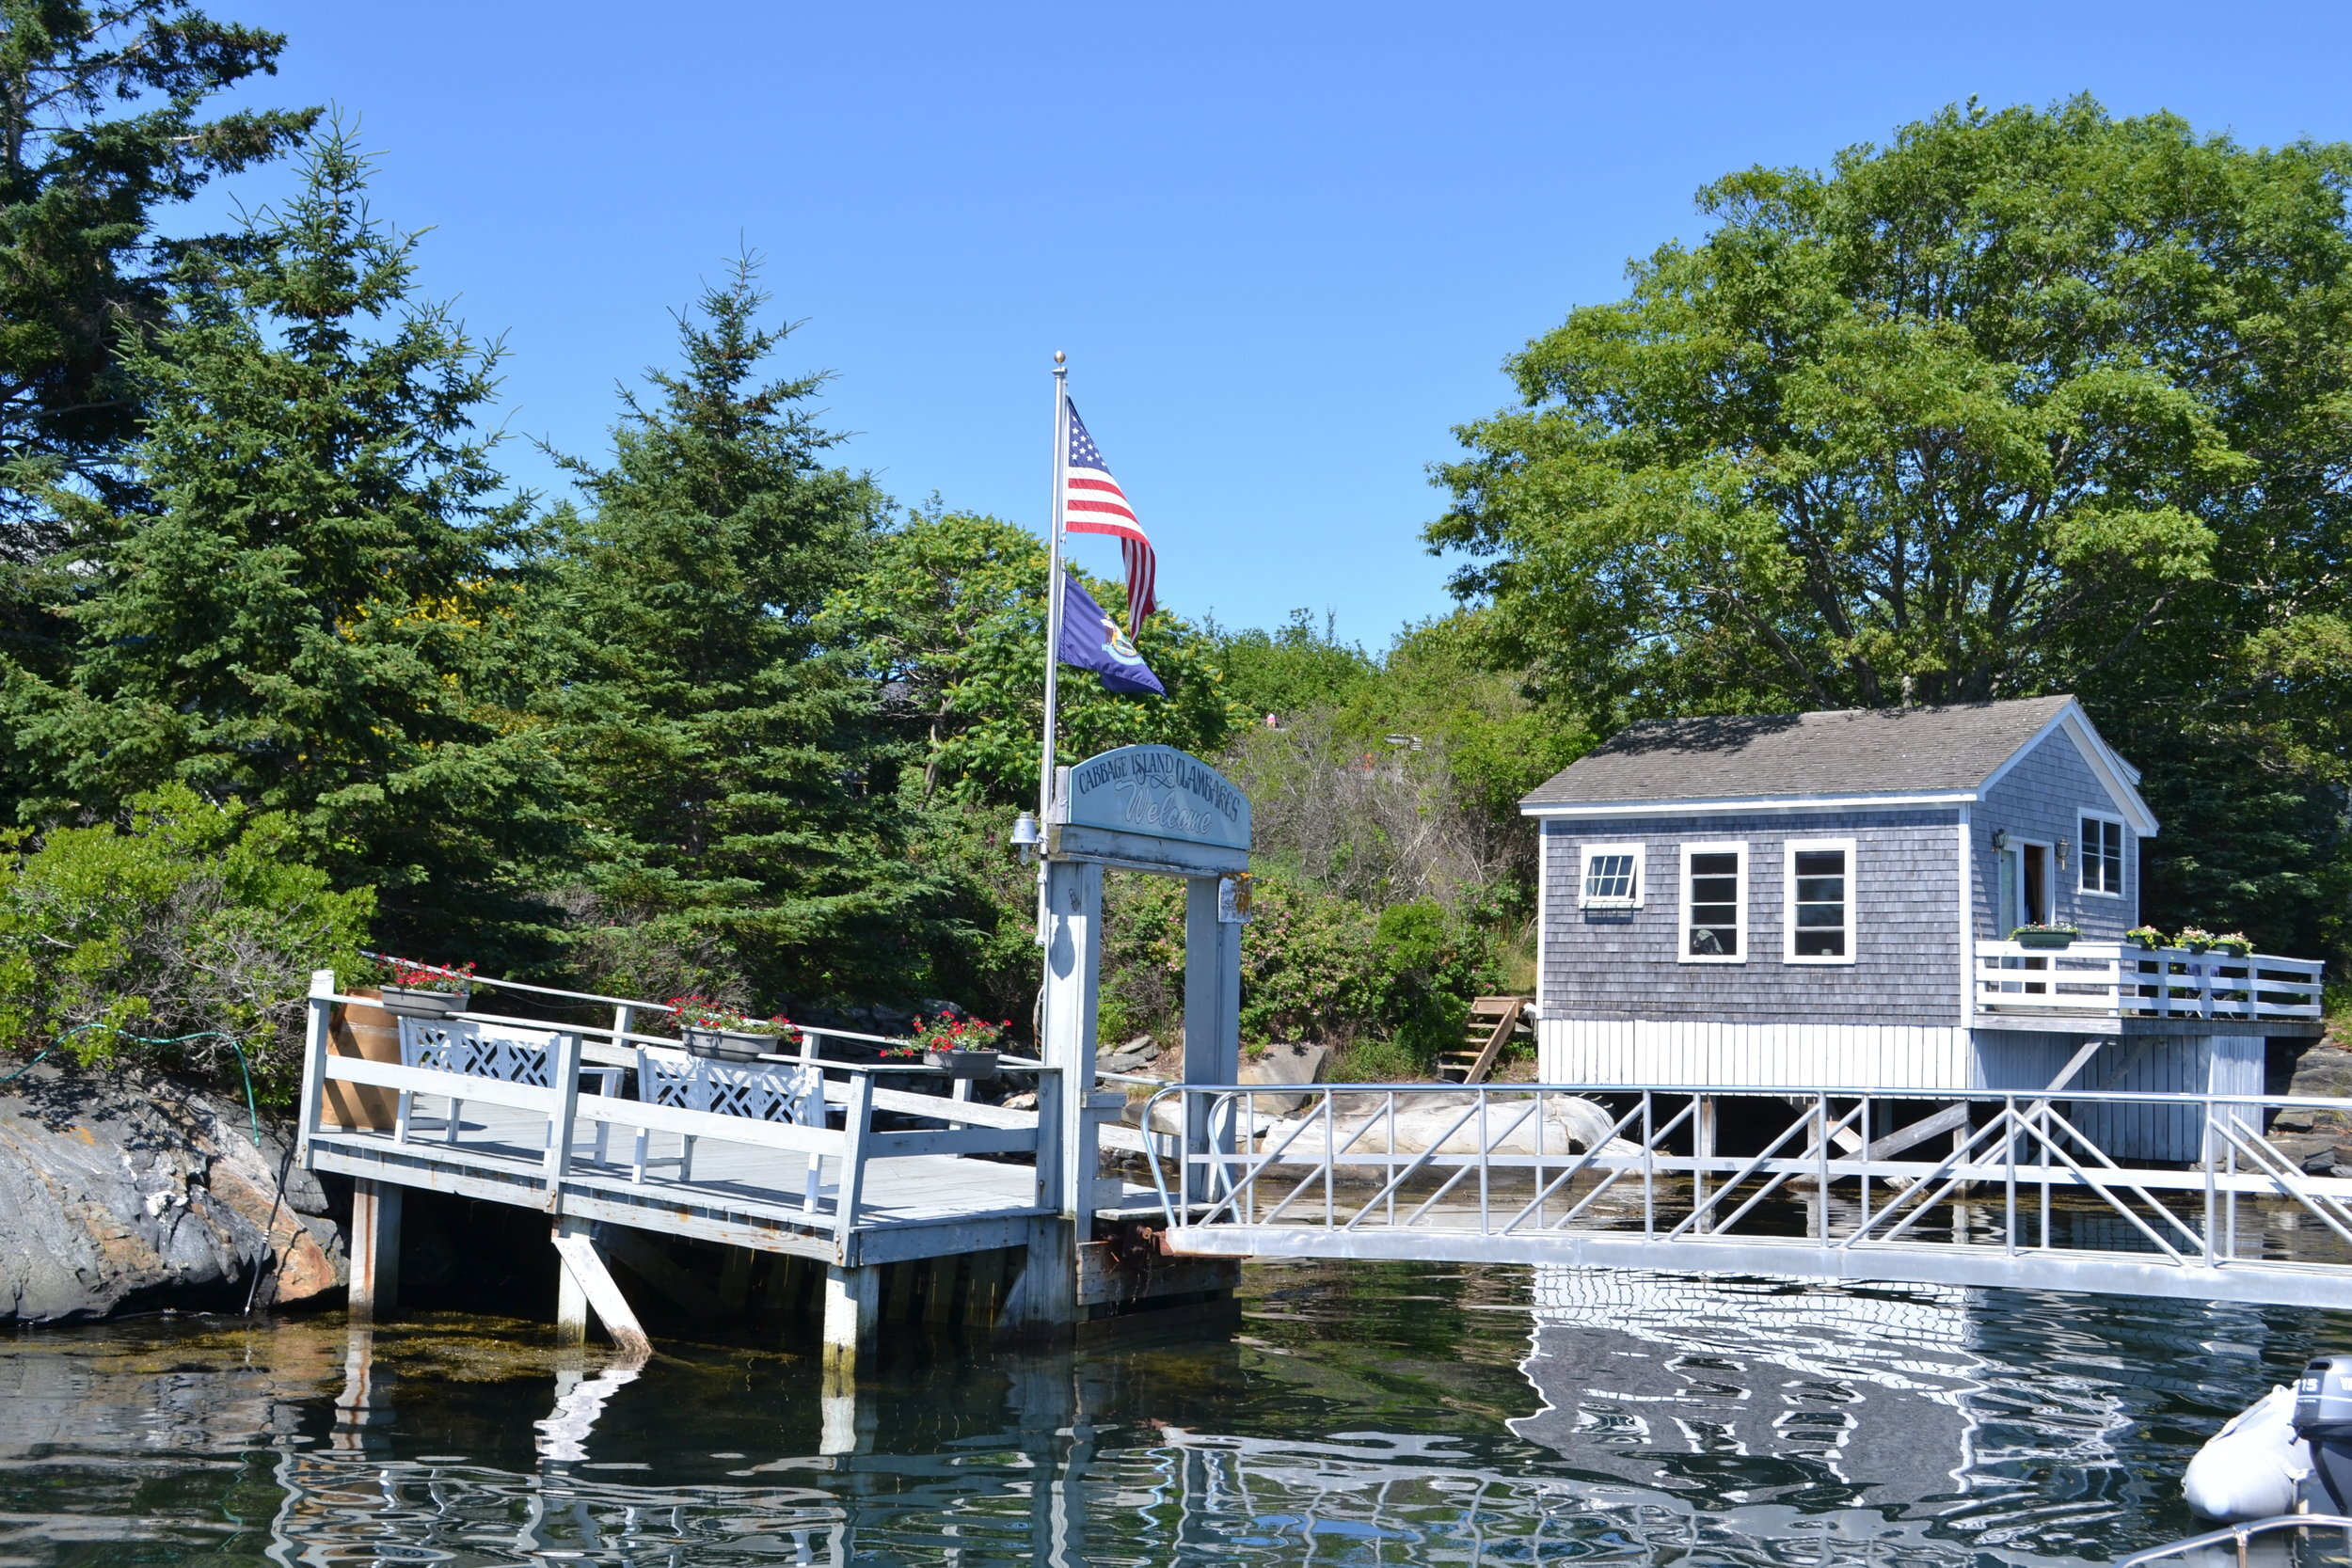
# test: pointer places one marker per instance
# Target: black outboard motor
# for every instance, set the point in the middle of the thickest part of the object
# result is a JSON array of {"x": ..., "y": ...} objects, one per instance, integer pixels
[{"x": 2323, "y": 1419}]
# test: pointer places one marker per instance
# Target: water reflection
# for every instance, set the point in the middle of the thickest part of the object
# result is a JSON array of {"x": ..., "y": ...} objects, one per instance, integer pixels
[{"x": 1373, "y": 1413}]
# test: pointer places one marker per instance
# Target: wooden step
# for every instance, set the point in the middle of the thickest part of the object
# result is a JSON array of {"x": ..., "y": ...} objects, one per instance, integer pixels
[{"x": 1492, "y": 1022}]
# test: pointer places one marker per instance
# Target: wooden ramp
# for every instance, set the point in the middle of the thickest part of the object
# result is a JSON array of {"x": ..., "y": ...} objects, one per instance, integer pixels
[{"x": 1492, "y": 1022}]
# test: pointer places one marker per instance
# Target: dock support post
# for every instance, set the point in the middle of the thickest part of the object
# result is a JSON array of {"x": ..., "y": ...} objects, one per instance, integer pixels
[
  {"x": 571, "y": 1296},
  {"x": 1044, "y": 1301},
  {"x": 374, "y": 1249},
  {"x": 586, "y": 1284},
  {"x": 852, "y": 1313},
  {"x": 1701, "y": 1147}
]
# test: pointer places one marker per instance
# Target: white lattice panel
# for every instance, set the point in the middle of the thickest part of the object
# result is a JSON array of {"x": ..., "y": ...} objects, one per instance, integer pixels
[
  {"x": 761, "y": 1091},
  {"x": 475, "y": 1050}
]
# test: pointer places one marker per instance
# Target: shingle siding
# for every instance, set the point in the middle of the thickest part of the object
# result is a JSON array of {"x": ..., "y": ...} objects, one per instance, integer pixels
[
  {"x": 2041, "y": 799},
  {"x": 1621, "y": 965}
]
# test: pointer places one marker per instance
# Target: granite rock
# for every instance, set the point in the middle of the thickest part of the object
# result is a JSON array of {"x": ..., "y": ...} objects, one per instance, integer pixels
[{"x": 120, "y": 1193}]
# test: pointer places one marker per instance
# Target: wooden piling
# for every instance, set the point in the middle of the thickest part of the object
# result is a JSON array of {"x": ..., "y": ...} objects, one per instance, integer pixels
[{"x": 374, "y": 1249}]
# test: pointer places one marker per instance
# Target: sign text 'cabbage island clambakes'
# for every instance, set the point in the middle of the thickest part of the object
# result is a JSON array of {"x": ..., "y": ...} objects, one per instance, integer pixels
[{"x": 1162, "y": 791}]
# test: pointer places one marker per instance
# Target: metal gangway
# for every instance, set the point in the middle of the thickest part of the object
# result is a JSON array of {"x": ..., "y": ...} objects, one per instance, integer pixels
[{"x": 2167, "y": 1195}]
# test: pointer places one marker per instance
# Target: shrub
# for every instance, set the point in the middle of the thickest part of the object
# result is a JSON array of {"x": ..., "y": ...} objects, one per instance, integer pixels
[
  {"x": 1314, "y": 966},
  {"x": 190, "y": 917}
]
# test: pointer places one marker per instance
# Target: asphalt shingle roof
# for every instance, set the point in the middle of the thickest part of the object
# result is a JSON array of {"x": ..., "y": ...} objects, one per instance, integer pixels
[{"x": 1853, "y": 752}]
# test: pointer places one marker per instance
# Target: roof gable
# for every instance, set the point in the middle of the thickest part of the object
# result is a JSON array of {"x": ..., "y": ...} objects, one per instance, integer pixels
[{"x": 1852, "y": 754}]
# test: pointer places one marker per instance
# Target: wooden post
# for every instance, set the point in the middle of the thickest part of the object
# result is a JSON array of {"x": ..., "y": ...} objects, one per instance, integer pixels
[
  {"x": 850, "y": 1189},
  {"x": 852, "y": 1313},
  {"x": 735, "y": 1277},
  {"x": 314, "y": 1033},
  {"x": 374, "y": 1249},
  {"x": 571, "y": 1296},
  {"x": 1044, "y": 1301},
  {"x": 1701, "y": 1147},
  {"x": 595, "y": 1286},
  {"x": 1074, "y": 951},
  {"x": 1212, "y": 1031},
  {"x": 565, "y": 1082}
]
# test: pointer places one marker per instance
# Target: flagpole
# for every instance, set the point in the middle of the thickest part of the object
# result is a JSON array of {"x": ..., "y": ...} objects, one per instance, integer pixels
[{"x": 1053, "y": 619}]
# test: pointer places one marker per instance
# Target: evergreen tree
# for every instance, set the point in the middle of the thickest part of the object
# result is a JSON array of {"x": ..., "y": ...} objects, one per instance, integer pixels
[
  {"x": 722, "y": 755},
  {"x": 100, "y": 127},
  {"x": 293, "y": 622}
]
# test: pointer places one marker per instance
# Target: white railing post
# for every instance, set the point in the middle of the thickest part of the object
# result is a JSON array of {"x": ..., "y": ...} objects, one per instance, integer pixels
[
  {"x": 315, "y": 1028},
  {"x": 564, "y": 1057},
  {"x": 852, "y": 1188}
]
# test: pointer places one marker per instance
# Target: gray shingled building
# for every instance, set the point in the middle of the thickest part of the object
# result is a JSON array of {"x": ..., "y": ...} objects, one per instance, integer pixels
[{"x": 1827, "y": 900}]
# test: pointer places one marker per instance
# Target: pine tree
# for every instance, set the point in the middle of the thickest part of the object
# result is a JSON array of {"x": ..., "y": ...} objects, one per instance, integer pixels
[
  {"x": 101, "y": 127},
  {"x": 293, "y": 623},
  {"x": 725, "y": 756}
]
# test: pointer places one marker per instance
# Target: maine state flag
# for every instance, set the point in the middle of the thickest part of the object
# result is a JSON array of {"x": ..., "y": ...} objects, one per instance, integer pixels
[{"x": 1092, "y": 641}]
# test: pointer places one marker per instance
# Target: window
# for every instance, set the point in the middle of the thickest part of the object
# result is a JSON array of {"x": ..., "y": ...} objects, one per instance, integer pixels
[
  {"x": 1714, "y": 902},
  {"x": 1613, "y": 876},
  {"x": 2102, "y": 855},
  {"x": 1820, "y": 925}
]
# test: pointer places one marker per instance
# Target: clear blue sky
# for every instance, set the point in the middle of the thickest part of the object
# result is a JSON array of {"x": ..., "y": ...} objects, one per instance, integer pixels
[{"x": 1286, "y": 246}]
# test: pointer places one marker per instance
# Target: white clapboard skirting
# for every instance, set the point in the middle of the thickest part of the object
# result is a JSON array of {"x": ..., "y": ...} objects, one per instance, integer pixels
[
  {"x": 1752, "y": 1055},
  {"x": 1898, "y": 1057}
]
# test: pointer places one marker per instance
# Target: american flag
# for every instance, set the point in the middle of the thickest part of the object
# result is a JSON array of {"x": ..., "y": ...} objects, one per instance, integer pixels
[{"x": 1093, "y": 502}]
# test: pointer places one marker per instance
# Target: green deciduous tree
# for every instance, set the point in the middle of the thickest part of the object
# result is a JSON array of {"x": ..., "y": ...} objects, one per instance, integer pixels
[
  {"x": 949, "y": 619},
  {"x": 2022, "y": 402},
  {"x": 292, "y": 621}
]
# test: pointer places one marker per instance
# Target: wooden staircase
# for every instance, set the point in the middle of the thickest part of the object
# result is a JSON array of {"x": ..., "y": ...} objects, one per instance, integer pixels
[{"x": 1492, "y": 1022}]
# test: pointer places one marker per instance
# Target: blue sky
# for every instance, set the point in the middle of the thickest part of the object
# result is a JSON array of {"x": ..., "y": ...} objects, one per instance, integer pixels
[{"x": 1286, "y": 247}]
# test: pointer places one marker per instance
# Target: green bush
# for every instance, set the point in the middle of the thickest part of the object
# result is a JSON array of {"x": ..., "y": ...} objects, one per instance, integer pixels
[
  {"x": 192, "y": 916},
  {"x": 1314, "y": 966}
]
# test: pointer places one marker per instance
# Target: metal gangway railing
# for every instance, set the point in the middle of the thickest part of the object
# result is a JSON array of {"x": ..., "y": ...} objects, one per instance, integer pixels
[{"x": 2166, "y": 1194}]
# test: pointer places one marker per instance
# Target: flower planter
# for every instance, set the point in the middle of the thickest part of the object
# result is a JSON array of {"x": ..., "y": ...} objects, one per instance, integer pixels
[
  {"x": 962, "y": 1064},
  {"x": 729, "y": 1045},
  {"x": 408, "y": 1001},
  {"x": 2045, "y": 938}
]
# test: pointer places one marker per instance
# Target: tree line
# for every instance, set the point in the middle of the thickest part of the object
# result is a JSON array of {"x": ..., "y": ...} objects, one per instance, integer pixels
[{"x": 2026, "y": 400}]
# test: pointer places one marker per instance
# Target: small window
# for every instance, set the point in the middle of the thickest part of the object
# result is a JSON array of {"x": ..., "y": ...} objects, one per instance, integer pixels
[
  {"x": 1820, "y": 925},
  {"x": 1714, "y": 902},
  {"x": 2102, "y": 855},
  {"x": 1613, "y": 876}
]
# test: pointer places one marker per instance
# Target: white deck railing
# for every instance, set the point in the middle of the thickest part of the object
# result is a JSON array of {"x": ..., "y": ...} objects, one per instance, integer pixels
[
  {"x": 544, "y": 1079},
  {"x": 2120, "y": 980}
]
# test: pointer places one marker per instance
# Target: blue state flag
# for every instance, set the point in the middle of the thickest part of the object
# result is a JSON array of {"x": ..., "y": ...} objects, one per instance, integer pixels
[{"x": 1092, "y": 641}]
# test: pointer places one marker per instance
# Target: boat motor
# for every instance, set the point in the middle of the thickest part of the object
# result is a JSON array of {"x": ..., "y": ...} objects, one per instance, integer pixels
[{"x": 2323, "y": 1419}]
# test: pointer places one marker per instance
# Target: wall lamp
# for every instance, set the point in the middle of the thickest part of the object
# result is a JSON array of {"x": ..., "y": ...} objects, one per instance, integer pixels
[
  {"x": 2061, "y": 854},
  {"x": 2000, "y": 838}
]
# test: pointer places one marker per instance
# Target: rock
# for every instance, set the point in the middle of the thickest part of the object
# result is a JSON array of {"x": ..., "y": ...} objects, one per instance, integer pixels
[
  {"x": 1291, "y": 1063},
  {"x": 1025, "y": 1101},
  {"x": 2327, "y": 1162},
  {"x": 119, "y": 1192},
  {"x": 1362, "y": 1123},
  {"x": 1133, "y": 1057}
]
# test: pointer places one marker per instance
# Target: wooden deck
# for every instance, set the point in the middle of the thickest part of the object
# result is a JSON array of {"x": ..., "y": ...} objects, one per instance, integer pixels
[{"x": 898, "y": 1174}]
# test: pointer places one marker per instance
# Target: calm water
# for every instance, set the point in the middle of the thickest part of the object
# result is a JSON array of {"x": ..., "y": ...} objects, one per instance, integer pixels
[{"x": 1365, "y": 1414}]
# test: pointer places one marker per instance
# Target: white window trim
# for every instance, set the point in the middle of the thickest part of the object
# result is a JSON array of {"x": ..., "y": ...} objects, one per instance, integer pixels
[
  {"x": 1584, "y": 871},
  {"x": 2082, "y": 854},
  {"x": 1682, "y": 928},
  {"x": 1788, "y": 900}
]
